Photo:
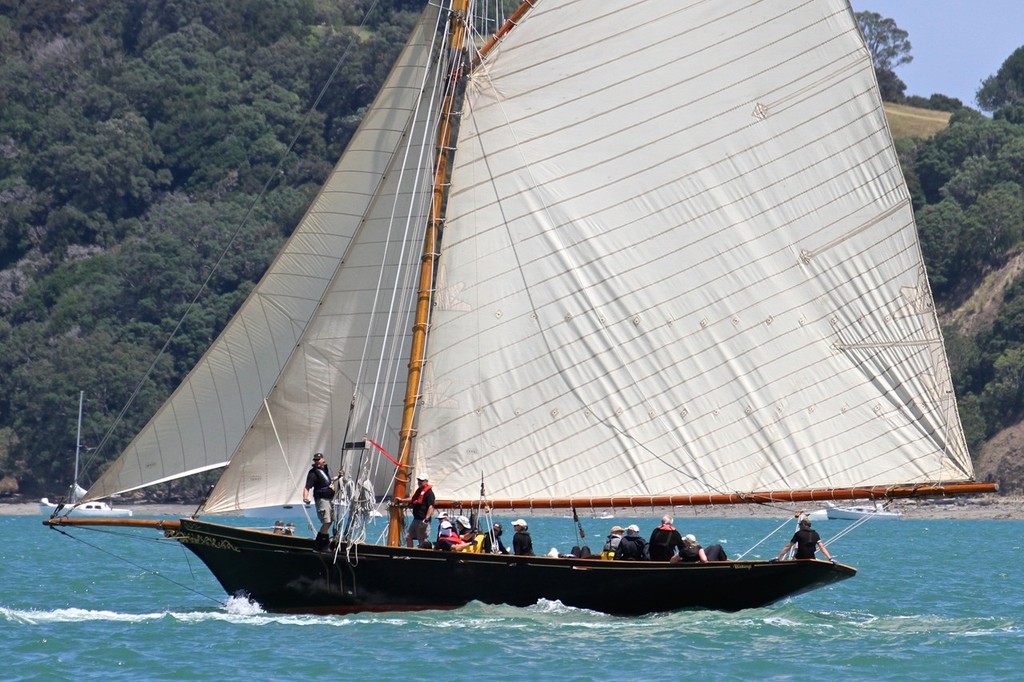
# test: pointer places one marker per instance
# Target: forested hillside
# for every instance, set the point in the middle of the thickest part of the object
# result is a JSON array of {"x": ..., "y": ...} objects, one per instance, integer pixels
[
  {"x": 140, "y": 141},
  {"x": 135, "y": 139}
]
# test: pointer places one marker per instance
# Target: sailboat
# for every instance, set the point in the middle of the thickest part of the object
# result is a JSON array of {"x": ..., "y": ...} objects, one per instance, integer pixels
[
  {"x": 75, "y": 506},
  {"x": 614, "y": 255}
]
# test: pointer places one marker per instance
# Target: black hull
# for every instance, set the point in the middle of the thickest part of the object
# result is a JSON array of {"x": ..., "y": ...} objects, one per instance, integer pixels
[{"x": 284, "y": 574}]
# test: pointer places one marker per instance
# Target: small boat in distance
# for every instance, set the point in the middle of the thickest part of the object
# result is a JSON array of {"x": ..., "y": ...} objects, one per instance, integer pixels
[
  {"x": 91, "y": 509},
  {"x": 853, "y": 513},
  {"x": 94, "y": 509}
]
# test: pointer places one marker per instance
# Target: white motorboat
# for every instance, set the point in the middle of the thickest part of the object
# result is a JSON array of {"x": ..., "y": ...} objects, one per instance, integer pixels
[{"x": 93, "y": 509}]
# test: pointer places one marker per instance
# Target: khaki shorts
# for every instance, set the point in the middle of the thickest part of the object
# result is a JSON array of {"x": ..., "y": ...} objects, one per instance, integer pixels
[
  {"x": 325, "y": 510},
  {"x": 418, "y": 530}
]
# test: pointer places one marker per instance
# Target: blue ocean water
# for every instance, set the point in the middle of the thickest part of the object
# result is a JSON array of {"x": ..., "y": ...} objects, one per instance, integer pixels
[{"x": 934, "y": 599}]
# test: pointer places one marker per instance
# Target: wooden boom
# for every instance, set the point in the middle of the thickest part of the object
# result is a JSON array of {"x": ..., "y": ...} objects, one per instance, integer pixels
[{"x": 877, "y": 492}]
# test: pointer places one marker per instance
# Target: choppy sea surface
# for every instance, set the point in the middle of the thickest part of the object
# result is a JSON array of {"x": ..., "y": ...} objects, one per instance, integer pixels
[{"x": 933, "y": 600}]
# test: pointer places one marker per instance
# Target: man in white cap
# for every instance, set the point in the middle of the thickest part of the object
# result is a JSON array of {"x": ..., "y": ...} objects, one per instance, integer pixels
[
  {"x": 422, "y": 504},
  {"x": 632, "y": 547},
  {"x": 522, "y": 543}
]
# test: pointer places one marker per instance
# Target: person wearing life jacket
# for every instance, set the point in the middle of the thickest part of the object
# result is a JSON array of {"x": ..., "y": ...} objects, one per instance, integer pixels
[
  {"x": 692, "y": 552},
  {"x": 632, "y": 547},
  {"x": 320, "y": 485},
  {"x": 467, "y": 535},
  {"x": 448, "y": 539},
  {"x": 421, "y": 502},
  {"x": 665, "y": 541},
  {"x": 442, "y": 516},
  {"x": 612, "y": 544},
  {"x": 807, "y": 541}
]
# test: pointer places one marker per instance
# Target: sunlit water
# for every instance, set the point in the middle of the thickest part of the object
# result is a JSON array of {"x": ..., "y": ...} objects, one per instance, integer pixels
[{"x": 933, "y": 600}]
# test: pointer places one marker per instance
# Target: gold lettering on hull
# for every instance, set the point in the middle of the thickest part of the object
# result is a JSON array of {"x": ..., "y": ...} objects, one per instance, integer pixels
[{"x": 205, "y": 540}]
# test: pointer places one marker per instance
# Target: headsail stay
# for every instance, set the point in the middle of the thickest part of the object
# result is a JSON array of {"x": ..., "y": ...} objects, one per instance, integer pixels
[{"x": 685, "y": 275}]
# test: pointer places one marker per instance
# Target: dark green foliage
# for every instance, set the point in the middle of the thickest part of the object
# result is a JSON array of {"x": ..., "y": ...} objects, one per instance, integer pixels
[
  {"x": 891, "y": 87},
  {"x": 134, "y": 139},
  {"x": 1006, "y": 87},
  {"x": 890, "y": 47},
  {"x": 936, "y": 102}
]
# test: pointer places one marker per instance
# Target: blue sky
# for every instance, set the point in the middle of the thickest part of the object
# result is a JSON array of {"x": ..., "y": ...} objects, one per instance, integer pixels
[{"x": 955, "y": 43}]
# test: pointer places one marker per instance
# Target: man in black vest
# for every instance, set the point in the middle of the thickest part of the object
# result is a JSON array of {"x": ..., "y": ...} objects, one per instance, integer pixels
[
  {"x": 320, "y": 484},
  {"x": 665, "y": 541}
]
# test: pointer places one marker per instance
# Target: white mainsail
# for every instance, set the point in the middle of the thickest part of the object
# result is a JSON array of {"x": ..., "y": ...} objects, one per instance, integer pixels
[
  {"x": 312, "y": 330},
  {"x": 680, "y": 258}
]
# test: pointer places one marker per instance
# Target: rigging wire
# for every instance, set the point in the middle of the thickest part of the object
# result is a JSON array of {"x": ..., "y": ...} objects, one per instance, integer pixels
[
  {"x": 399, "y": 308},
  {"x": 132, "y": 563}
]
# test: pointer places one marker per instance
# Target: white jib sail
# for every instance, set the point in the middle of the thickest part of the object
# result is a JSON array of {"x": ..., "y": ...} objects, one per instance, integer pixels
[{"x": 314, "y": 323}]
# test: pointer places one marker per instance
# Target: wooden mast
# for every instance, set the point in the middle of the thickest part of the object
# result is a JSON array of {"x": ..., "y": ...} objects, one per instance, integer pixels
[{"x": 457, "y": 23}]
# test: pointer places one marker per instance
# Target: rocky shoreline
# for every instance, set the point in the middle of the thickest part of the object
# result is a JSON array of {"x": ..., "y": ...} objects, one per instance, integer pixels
[{"x": 969, "y": 508}]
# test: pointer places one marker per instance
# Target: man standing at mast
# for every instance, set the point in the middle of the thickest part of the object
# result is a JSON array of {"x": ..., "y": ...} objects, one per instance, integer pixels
[{"x": 422, "y": 504}]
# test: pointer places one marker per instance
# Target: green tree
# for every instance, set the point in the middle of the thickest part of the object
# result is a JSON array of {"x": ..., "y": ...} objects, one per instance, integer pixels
[
  {"x": 941, "y": 228},
  {"x": 943, "y": 155},
  {"x": 998, "y": 216},
  {"x": 890, "y": 47},
  {"x": 1006, "y": 86},
  {"x": 1003, "y": 397}
]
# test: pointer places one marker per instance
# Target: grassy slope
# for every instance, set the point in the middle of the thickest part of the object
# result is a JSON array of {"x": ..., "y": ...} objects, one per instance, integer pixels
[{"x": 913, "y": 122}]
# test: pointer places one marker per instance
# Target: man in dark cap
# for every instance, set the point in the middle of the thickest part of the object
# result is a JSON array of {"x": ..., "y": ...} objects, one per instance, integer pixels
[
  {"x": 492, "y": 543},
  {"x": 320, "y": 485}
]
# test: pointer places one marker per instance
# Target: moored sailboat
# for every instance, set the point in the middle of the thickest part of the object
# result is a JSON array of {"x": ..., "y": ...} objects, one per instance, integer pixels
[
  {"x": 633, "y": 255},
  {"x": 73, "y": 506}
]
